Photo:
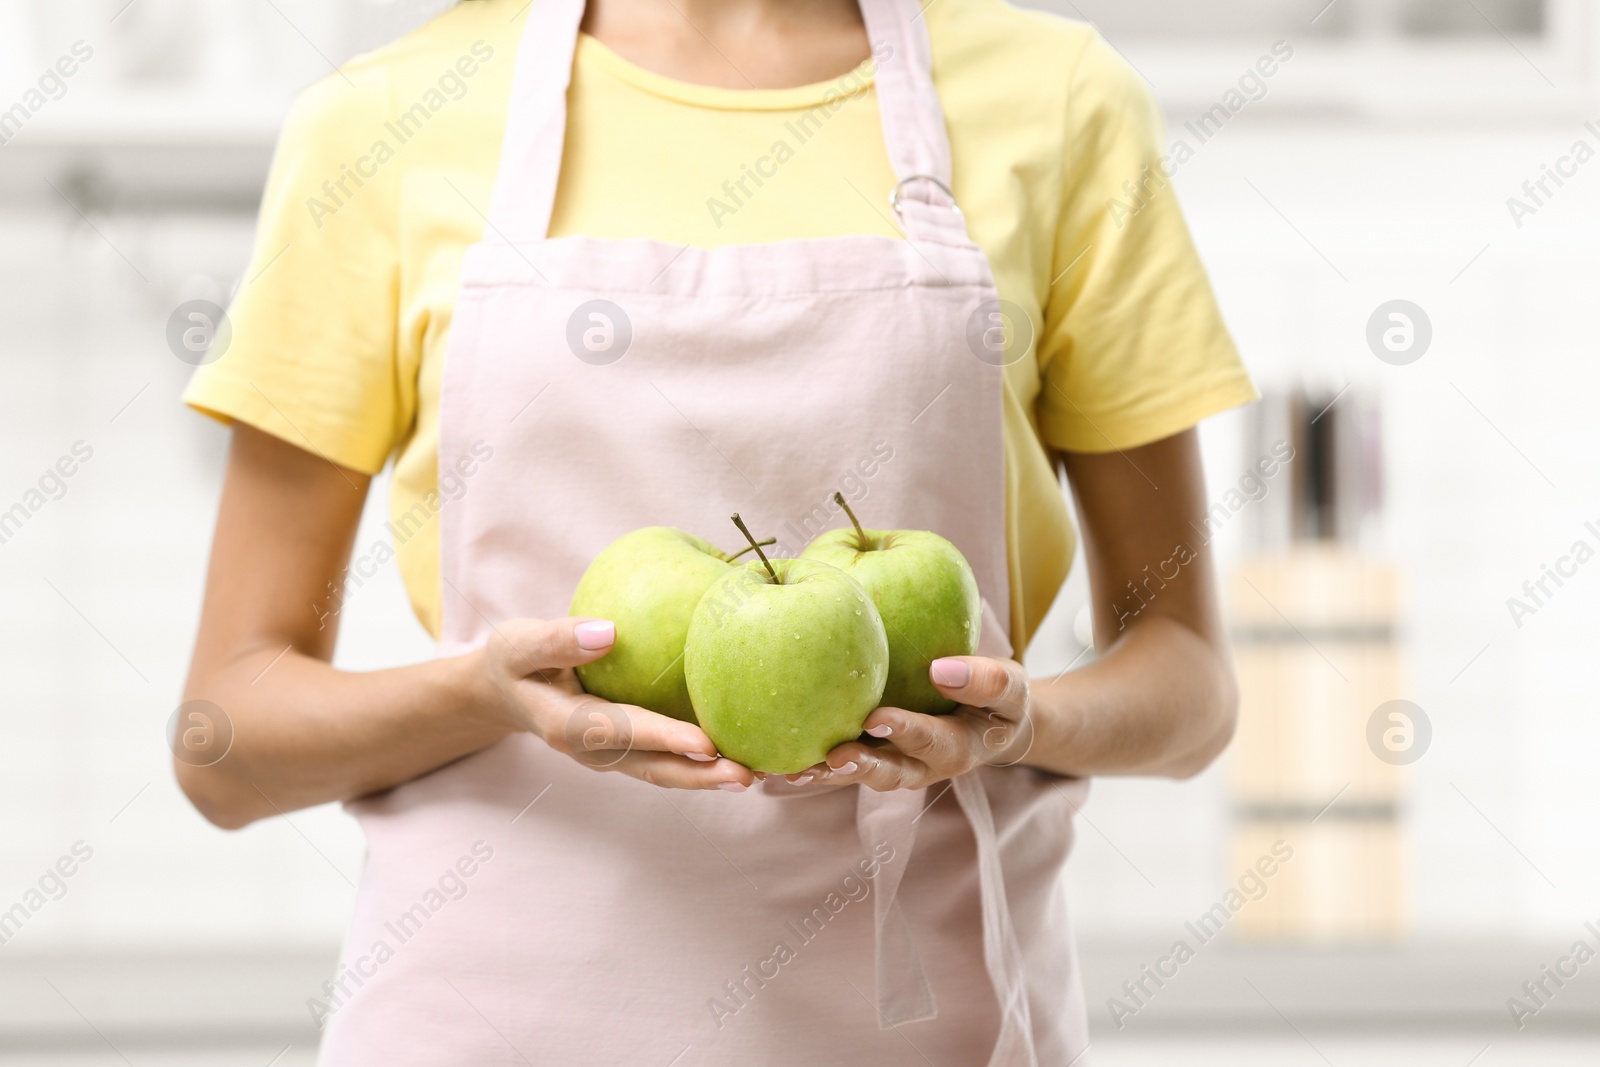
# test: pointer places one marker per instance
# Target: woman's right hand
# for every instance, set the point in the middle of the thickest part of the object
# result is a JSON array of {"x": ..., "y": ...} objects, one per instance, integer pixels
[{"x": 529, "y": 664}]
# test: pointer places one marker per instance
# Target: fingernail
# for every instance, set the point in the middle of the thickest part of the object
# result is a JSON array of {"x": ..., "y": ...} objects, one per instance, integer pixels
[
  {"x": 848, "y": 768},
  {"x": 881, "y": 731},
  {"x": 804, "y": 778},
  {"x": 732, "y": 787},
  {"x": 601, "y": 633},
  {"x": 700, "y": 757},
  {"x": 950, "y": 673}
]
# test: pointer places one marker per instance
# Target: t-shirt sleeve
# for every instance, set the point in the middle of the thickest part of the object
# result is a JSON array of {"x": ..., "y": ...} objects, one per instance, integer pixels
[
  {"x": 1133, "y": 346},
  {"x": 312, "y": 357}
]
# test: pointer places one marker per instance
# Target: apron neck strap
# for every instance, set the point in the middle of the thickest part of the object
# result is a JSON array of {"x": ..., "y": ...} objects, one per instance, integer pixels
[
  {"x": 912, "y": 116},
  {"x": 536, "y": 125}
]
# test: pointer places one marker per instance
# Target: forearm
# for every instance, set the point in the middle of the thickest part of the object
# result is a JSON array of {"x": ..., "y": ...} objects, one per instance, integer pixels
[
  {"x": 305, "y": 733},
  {"x": 1161, "y": 701}
]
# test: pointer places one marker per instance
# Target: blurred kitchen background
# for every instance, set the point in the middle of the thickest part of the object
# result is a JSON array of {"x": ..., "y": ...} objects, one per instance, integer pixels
[{"x": 1441, "y": 851}]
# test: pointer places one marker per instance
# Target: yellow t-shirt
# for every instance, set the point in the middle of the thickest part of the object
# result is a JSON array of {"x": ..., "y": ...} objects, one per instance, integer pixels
[{"x": 384, "y": 171}]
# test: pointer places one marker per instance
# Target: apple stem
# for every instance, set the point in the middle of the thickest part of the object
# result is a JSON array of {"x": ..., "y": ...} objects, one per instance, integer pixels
[
  {"x": 861, "y": 535},
  {"x": 737, "y": 521},
  {"x": 742, "y": 551}
]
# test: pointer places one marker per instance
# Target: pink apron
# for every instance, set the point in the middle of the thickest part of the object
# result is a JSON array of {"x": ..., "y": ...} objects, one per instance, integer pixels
[{"x": 519, "y": 908}]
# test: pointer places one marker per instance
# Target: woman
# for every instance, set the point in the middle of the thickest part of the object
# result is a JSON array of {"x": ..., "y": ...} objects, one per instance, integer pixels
[{"x": 584, "y": 270}]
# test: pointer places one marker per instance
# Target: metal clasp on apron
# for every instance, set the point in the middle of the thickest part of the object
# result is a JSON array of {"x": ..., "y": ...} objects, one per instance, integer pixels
[{"x": 897, "y": 194}]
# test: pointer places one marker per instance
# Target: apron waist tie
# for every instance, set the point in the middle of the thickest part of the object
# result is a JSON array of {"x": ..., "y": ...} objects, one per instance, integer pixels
[
  {"x": 1002, "y": 954},
  {"x": 903, "y": 992}
]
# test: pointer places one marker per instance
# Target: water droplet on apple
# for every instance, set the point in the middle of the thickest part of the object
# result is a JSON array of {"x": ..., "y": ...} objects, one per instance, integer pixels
[{"x": 797, "y": 637}]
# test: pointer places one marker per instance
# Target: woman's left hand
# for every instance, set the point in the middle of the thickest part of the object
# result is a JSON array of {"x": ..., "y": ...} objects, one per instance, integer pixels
[{"x": 992, "y": 725}]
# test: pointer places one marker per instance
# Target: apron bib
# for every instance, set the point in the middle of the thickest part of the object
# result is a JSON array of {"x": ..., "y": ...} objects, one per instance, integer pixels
[{"x": 519, "y": 908}]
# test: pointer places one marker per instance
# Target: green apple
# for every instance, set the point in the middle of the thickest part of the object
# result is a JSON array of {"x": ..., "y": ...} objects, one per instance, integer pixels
[
  {"x": 647, "y": 582},
  {"x": 785, "y": 660},
  {"x": 926, "y": 594}
]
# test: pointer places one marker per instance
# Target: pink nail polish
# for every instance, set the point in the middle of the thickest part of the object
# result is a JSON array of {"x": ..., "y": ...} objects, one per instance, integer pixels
[
  {"x": 848, "y": 768},
  {"x": 804, "y": 778},
  {"x": 700, "y": 757},
  {"x": 881, "y": 731},
  {"x": 950, "y": 673},
  {"x": 732, "y": 787},
  {"x": 598, "y": 634}
]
